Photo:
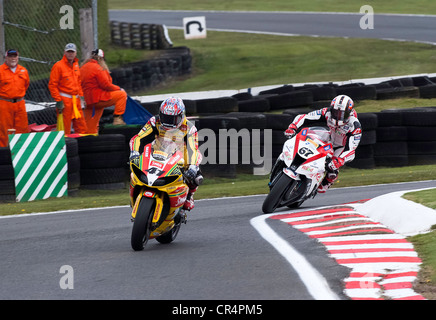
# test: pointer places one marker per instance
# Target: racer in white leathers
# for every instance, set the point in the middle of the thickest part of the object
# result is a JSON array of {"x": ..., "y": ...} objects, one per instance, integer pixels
[{"x": 345, "y": 134}]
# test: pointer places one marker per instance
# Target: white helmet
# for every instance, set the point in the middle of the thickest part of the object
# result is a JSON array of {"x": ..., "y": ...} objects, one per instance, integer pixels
[{"x": 340, "y": 110}]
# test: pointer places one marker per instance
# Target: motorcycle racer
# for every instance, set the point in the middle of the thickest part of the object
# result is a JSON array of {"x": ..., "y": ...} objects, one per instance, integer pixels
[
  {"x": 345, "y": 134},
  {"x": 171, "y": 123}
]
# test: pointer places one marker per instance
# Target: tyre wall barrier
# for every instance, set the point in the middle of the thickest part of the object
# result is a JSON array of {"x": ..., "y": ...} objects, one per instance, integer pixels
[
  {"x": 419, "y": 128},
  {"x": 73, "y": 160},
  {"x": 103, "y": 161},
  {"x": 7, "y": 176},
  {"x": 139, "y": 35},
  {"x": 391, "y": 138},
  {"x": 146, "y": 74}
]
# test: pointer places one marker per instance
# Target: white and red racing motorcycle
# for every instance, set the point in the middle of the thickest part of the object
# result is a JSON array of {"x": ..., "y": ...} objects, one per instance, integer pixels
[{"x": 299, "y": 170}]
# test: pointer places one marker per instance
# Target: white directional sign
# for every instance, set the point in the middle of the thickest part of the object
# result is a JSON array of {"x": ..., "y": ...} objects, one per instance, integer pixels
[{"x": 195, "y": 27}]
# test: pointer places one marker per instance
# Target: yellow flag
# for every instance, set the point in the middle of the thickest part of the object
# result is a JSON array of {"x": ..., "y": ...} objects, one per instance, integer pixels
[
  {"x": 76, "y": 113},
  {"x": 60, "y": 123}
]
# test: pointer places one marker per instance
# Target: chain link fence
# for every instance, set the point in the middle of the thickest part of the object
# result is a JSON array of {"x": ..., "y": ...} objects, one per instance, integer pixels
[{"x": 39, "y": 30}]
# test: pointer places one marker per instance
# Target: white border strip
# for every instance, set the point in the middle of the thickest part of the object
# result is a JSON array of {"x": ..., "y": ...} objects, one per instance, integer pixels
[{"x": 315, "y": 283}]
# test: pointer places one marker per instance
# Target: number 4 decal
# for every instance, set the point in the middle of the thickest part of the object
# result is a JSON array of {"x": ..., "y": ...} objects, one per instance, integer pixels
[{"x": 156, "y": 171}]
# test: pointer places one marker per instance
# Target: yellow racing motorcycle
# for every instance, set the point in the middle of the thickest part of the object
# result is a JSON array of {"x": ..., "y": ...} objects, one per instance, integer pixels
[{"x": 158, "y": 193}]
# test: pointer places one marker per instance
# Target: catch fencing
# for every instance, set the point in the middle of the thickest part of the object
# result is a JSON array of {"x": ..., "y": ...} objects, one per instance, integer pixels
[{"x": 39, "y": 30}]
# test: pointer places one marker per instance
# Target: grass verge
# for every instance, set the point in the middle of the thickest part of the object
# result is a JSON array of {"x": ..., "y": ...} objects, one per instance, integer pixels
[
  {"x": 425, "y": 246},
  {"x": 227, "y": 60}
]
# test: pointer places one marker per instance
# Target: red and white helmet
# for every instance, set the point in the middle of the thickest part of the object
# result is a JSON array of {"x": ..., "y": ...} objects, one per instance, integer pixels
[
  {"x": 172, "y": 113},
  {"x": 340, "y": 110}
]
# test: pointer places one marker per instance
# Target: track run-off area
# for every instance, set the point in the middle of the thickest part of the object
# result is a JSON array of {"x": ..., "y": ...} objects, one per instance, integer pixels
[{"x": 383, "y": 264}]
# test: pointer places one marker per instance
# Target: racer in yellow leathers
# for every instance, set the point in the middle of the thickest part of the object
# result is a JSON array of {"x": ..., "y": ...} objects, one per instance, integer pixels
[{"x": 172, "y": 124}]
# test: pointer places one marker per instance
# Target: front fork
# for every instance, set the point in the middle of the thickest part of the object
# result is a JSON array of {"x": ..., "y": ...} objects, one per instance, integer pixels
[
  {"x": 181, "y": 217},
  {"x": 277, "y": 168},
  {"x": 157, "y": 196},
  {"x": 171, "y": 220}
]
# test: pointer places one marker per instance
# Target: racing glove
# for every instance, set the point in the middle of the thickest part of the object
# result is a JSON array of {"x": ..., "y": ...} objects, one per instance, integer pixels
[
  {"x": 134, "y": 157},
  {"x": 59, "y": 106},
  {"x": 291, "y": 131},
  {"x": 191, "y": 173},
  {"x": 336, "y": 163}
]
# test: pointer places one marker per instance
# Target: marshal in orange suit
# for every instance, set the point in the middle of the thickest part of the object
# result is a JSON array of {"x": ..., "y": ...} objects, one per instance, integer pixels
[
  {"x": 65, "y": 88},
  {"x": 100, "y": 92},
  {"x": 14, "y": 81}
]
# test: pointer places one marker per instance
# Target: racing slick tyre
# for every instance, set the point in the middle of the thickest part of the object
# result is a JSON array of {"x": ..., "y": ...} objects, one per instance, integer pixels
[
  {"x": 285, "y": 187},
  {"x": 171, "y": 235},
  {"x": 142, "y": 224}
]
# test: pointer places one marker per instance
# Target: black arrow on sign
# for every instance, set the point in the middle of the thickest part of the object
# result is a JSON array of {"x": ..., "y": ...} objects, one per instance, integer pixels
[{"x": 188, "y": 25}]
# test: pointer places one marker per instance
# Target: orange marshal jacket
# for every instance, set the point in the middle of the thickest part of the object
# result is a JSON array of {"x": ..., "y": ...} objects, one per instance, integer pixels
[
  {"x": 13, "y": 85},
  {"x": 96, "y": 83},
  {"x": 65, "y": 78}
]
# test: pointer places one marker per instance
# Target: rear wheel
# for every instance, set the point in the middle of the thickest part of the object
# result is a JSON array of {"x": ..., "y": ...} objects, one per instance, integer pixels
[
  {"x": 142, "y": 224},
  {"x": 169, "y": 236}
]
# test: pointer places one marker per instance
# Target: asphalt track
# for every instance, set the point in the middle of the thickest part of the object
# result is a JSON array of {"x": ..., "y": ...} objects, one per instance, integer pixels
[
  {"x": 420, "y": 28},
  {"x": 218, "y": 255}
]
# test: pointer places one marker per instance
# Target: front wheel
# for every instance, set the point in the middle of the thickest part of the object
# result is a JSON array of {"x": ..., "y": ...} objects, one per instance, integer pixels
[
  {"x": 275, "y": 196},
  {"x": 142, "y": 224}
]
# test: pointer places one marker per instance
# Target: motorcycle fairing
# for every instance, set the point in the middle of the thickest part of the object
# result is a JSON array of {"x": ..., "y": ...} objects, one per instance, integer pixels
[{"x": 306, "y": 155}]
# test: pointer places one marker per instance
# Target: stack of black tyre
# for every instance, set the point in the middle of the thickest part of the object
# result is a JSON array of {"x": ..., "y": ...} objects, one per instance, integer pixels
[
  {"x": 365, "y": 153},
  {"x": 412, "y": 136},
  {"x": 216, "y": 106},
  {"x": 211, "y": 150},
  {"x": 278, "y": 123},
  {"x": 103, "y": 161},
  {"x": 397, "y": 88},
  {"x": 426, "y": 86},
  {"x": 149, "y": 73},
  {"x": 421, "y": 135},
  {"x": 73, "y": 160},
  {"x": 7, "y": 176},
  {"x": 391, "y": 147}
]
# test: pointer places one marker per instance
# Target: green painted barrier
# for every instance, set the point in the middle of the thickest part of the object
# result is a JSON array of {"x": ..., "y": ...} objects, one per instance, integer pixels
[{"x": 40, "y": 165}]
